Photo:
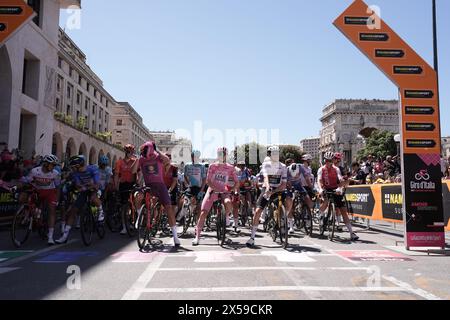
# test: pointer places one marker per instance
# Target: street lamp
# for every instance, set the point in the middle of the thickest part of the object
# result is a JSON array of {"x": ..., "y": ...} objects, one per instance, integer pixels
[{"x": 398, "y": 140}]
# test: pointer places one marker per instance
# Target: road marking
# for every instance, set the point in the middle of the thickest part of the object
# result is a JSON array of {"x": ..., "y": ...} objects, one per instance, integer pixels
[
  {"x": 213, "y": 256},
  {"x": 15, "y": 261},
  {"x": 141, "y": 283},
  {"x": 136, "y": 257},
  {"x": 332, "y": 252},
  {"x": 406, "y": 286},
  {"x": 274, "y": 288},
  {"x": 65, "y": 257},
  {"x": 259, "y": 268},
  {"x": 283, "y": 256}
]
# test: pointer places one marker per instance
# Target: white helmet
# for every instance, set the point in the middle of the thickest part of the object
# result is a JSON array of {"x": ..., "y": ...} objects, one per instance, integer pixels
[
  {"x": 307, "y": 157},
  {"x": 329, "y": 156},
  {"x": 294, "y": 170},
  {"x": 273, "y": 149},
  {"x": 51, "y": 159}
]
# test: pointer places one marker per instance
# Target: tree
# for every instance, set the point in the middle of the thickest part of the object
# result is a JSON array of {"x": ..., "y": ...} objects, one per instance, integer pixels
[
  {"x": 380, "y": 145},
  {"x": 290, "y": 152}
]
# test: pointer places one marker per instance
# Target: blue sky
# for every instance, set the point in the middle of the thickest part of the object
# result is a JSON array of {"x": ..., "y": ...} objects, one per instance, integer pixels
[{"x": 263, "y": 64}]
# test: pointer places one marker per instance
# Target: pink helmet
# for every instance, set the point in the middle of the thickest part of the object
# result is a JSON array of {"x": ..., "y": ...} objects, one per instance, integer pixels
[
  {"x": 148, "y": 149},
  {"x": 338, "y": 156}
]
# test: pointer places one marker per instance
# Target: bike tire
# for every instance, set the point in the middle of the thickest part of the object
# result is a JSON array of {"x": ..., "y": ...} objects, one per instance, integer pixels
[
  {"x": 19, "y": 241},
  {"x": 142, "y": 232},
  {"x": 332, "y": 222},
  {"x": 223, "y": 226},
  {"x": 130, "y": 222},
  {"x": 87, "y": 226},
  {"x": 307, "y": 223},
  {"x": 284, "y": 228}
]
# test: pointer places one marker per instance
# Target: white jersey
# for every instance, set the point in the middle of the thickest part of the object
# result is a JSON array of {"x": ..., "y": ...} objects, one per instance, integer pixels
[
  {"x": 276, "y": 172},
  {"x": 308, "y": 173},
  {"x": 44, "y": 181}
]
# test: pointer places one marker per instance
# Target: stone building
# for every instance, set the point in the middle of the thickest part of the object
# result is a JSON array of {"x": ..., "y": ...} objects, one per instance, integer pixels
[{"x": 347, "y": 123}]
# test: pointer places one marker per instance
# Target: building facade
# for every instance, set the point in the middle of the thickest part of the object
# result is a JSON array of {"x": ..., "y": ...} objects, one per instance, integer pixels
[
  {"x": 347, "y": 123},
  {"x": 311, "y": 146},
  {"x": 128, "y": 126},
  {"x": 28, "y": 68},
  {"x": 83, "y": 108},
  {"x": 180, "y": 149}
]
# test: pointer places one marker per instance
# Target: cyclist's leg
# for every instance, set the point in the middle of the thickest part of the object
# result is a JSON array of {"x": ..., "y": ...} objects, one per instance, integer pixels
[
  {"x": 231, "y": 206},
  {"x": 207, "y": 204},
  {"x": 160, "y": 190},
  {"x": 77, "y": 205},
  {"x": 260, "y": 205},
  {"x": 98, "y": 203},
  {"x": 340, "y": 207}
]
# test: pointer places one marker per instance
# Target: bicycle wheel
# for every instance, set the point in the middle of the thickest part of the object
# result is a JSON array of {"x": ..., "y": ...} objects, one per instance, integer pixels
[
  {"x": 243, "y": 213},
  {"x": 113, "y": 216},
  {"x": 284, "y": 227},
  {"x": 332, "y": 221},
  {"x": 42, "y": 225},
  {"x": 223, "y": 225},
  {"x": 307, "y": 220},
  {"x": 298, "y": 219},
  {"x": 187, "y": 218},
  {"x": 272, "y": 226},
  {"x": 142, "y": 230},
  {"x": 22, "y": 226},
  {"x": 128, "y": 217},
  {"x": 87, "y": 226},
  {"x": 100, "y": 228}
]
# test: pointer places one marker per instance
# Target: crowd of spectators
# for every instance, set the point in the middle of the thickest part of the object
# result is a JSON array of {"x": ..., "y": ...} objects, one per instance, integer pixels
[{"x": 371, "y": 170}]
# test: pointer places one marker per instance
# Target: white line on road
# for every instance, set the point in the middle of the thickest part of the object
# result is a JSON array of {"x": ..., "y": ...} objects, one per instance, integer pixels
[
  {"x": 31, "y": 255},
  {"x": 275, "y": 288},
  {"x": 420, "y": 292},
  {"x": 138, "y": 287},
  {"x": 259, "y": 268}
]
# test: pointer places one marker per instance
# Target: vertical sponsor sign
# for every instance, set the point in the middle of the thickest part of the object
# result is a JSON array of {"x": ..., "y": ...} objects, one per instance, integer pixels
[
  {"x": 13, "y": 15},
  {"x": 421, "y": 145}
]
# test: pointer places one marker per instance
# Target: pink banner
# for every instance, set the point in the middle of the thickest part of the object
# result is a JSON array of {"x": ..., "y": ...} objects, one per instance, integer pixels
[{"x": 426, "y": 239}]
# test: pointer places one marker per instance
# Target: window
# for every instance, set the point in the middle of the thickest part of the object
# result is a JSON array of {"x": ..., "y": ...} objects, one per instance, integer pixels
[
  {"x": 57, "y": 104},
  {"x": 95, "y": 93},
  {"x": 93, "y": 126},
  {"x": 78, "y": 98},
  {"x": 59, "y": 83},
  {"x": 36, "y": 6},
  {"x": 68, "y": 110},
  {"x": 59, "y": 62},
  {"x": 88, "y": 86},
  {"x": 80, "y": 79},
  {"x": 70, "y": 72},
  {"x": 119, "y": 122},
  {"x": 86, "y": 104},
  {"x": 119, "y": 132},
  {"x": 69, "y": 91},
  {"x": 93, "y": 108},
  {"x": 78, "y": 116},
  {"x": 31, "y": 74},
  {"x": 107, "y": 103}
]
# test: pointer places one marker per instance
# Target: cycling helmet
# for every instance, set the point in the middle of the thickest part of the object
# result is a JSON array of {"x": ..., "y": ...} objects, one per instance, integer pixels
[
  {"x": 104, "y": 160},
  {"x": 328, "y": 156},
  {"x": 51, "y": 159},
  {"x": 77, "y": 161},
  {"x": 129, "y": 148},
  {"x": 273, "y": 149},
  {"x": 338, "y": 156},
  {"x": 307, "y": 157},
  {"x": 294, "y": 170},
  {"x": 241, "y": 163},
  {"x": 196, "y": 154},
  {"x": 148, "y": 149}
]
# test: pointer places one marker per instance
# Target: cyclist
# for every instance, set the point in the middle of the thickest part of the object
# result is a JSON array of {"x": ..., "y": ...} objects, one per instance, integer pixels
[
  {"x": 171, "y": 181},
  {"x": 234, "y": 199},
  {"x": 105, "y": 173},
  {"x": 152, "y": 164},
  {"x": 195, "y": 179},
  {"x": 330, "y": 179},
  {"x": 217, "y": 179},
  {"x": 275, "y": 181},
  {"x": 47, "y": 181},
  {"x": 126, "y": 176},
  {"x": 86, "y": 179},
  {"x": 245, "y": 183},
  {"x": 295, "y": 176}
]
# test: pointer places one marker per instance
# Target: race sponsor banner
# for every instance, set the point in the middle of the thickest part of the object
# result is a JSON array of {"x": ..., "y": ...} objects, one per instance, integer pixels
[
  {"x": 360, "y": 200},
  {"x": 388, "y": 202},
  {"x": 392, "y": 202},
  {"x": 8, "y": 206},
  {"x": 419, "y": 120}
]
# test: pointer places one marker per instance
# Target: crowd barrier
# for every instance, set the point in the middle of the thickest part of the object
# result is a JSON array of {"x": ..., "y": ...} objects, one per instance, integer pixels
[{"x": 383, "y": 202}]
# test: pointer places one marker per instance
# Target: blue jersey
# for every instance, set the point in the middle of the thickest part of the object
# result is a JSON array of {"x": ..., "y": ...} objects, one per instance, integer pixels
[
  {"x": 105, "y": 176},
  {"x": 244, "y": 175},
  {"x": 87, "y": 177},
  {"x": 195, "y": 174}
]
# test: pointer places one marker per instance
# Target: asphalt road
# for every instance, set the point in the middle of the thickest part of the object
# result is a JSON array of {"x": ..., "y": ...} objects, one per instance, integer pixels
[{"x": 310, "y": 268}]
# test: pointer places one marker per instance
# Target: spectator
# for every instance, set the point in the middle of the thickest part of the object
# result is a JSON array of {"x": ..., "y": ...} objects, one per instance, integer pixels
[
  {"x": 357, "y": 176},
  {"x": 379, "y": 168}
]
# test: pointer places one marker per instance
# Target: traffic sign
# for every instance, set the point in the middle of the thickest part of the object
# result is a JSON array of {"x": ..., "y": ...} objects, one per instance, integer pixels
[
  {"x": 14, "y": 14},
  {"x": 420, "y": 123}
]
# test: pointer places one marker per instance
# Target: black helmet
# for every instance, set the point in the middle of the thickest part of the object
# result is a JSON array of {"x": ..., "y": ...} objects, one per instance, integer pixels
[{"x": 77, "y": 161}]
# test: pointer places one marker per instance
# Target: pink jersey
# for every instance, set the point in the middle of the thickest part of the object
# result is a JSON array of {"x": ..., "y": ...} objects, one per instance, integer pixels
[
  {"x": 152, "y": 170},
  {"x": 219, "y": 174}
]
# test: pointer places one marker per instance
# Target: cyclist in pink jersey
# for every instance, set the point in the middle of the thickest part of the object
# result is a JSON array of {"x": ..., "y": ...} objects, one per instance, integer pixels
[
  {"x": 217, "y": 179},
  {"x": 152, "y": 164}
]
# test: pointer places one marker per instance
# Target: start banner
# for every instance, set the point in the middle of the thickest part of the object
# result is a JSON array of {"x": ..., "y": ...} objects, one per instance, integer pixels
[{"x": 385, "y": 202}]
